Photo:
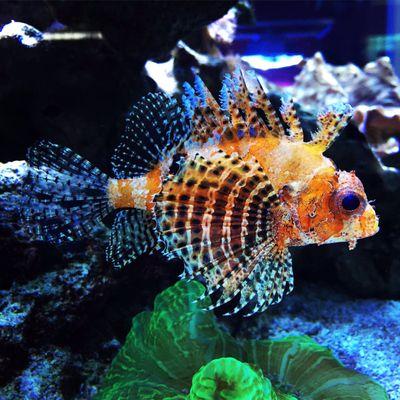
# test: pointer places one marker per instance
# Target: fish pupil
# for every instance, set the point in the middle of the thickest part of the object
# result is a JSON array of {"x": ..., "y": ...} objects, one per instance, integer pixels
[{"x": 350, "y": 202}]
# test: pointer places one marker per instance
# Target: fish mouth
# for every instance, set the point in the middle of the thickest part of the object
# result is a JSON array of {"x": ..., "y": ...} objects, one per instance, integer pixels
[
  {"x": 362, "y": 226},
  {"x": 365, "y": 233},
  {"x": 374, "y": 230},
  {"x": 369, "y": 223}
]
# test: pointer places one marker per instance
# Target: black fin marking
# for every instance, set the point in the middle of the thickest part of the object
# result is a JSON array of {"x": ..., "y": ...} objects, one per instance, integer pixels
[
  {"x": 63, "y": 197},
  {"x": 155, "y": 128},
  {"x": 133, "y": 233}
]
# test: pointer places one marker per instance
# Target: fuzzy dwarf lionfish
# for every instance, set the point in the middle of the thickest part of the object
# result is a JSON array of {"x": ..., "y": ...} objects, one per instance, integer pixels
[{"x": 225, "y": 186}]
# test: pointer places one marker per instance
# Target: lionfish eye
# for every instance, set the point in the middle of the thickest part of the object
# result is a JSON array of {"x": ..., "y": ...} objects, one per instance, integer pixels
[{"x": 351, "y": 202}]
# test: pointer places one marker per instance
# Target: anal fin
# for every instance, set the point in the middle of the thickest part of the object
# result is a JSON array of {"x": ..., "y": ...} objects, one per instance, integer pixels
[{"x": 132, "y": 234}]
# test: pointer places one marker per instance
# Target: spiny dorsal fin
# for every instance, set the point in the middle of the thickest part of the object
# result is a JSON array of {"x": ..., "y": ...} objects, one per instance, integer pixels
[
  {"x": 246, "y": 111},
  {"x": 289, "y": 115},
  {"x": 332, "y": 121},
  {"x": 155, "y": 127},
  {"x": 242, "y": 113},
  {"x": 216, "y": 215}
]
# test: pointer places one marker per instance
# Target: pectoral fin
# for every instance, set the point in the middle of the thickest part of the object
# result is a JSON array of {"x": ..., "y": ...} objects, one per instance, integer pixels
[{"x": 217, "y": 215}]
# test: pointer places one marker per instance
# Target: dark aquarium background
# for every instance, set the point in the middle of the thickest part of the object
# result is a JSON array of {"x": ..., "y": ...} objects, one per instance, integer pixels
[{"x": 71, "y": 70}]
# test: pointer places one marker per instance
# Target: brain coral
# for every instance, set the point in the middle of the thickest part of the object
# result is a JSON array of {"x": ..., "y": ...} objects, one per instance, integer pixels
[{"x": 178, "y": 352}]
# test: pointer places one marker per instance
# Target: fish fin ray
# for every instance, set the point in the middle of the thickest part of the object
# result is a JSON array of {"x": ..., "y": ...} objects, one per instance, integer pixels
[
  {"x": 132, "y": 234},
  {"x": 63, "y": 197},
  {"x": 63, "y": 160},
  {"x": 155, "y": 129},
  {"x": 289, "y": 115},
  {"x": 331, "y": 121},
  {"x": 215, "y": 214}
]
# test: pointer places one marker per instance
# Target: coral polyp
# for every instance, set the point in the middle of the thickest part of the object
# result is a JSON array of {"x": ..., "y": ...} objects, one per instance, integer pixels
[{"x": 228, "y": 378}]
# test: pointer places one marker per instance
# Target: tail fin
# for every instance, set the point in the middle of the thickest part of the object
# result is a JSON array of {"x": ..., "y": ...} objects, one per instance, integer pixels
[{"x": 63, "y": 197}]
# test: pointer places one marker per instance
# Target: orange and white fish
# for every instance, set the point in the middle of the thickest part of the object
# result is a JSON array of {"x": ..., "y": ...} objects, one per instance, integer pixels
[{"x": 227, "y": 187}]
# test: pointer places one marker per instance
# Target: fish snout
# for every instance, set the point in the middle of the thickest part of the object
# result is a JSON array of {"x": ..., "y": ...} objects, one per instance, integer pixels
[{"x": 369, "y": 222}]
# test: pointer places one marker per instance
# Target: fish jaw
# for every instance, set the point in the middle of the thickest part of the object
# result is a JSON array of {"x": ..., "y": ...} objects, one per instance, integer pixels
[
  {"x": 360, "y": 227},
  {"x": 368, "y": 223}
]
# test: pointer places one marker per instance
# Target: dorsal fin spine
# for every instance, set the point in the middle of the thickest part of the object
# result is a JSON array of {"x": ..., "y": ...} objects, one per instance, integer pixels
[
  {"x": 188, "y": 109},
  {"x": 189, "y": 100},
  {"x": 201, "y": 90},
  {"x": 224, "y": 97},
  {"x": 289, "y": 115},
  {"x": 332, "y": 120}
]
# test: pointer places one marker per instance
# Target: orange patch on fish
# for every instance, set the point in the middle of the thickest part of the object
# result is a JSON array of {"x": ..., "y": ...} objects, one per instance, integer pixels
[
  {"x": 120, "y": 193},
  {"x": 153, "y": 186}
]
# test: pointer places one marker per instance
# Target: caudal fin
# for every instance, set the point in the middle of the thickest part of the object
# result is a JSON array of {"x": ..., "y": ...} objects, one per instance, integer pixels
[{"x": 64, "y": 196}]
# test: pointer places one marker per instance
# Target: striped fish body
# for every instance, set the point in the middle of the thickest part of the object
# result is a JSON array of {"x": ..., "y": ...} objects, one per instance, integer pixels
[{"x": 249, "y": 188}]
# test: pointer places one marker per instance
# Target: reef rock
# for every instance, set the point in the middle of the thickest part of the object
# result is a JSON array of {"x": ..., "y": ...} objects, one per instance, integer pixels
[
  {"x": 320, "y": 84},
  {"x": 316, "y": 86},
  {"x": 381, "y": 127}
]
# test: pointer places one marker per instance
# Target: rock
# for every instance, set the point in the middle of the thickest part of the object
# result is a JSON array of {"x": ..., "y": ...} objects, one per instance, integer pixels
[
  {"x": 320, "y": 84},
  {"x": 44, "y": 366},
  {"x": 12, "y": 174},
  {"x": 316, "y": 86},
  {"x": 381, "y": 127},
  {"x": 83, "y": 306}
]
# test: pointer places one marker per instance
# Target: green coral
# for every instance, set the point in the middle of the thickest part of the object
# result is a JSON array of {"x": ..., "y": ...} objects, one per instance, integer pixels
[
  {"x": 178, "y": 352},
  {"x": 228, "y": 378}
]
